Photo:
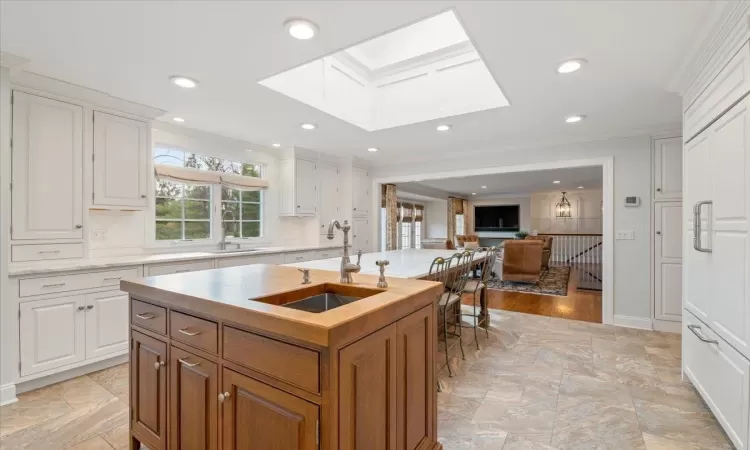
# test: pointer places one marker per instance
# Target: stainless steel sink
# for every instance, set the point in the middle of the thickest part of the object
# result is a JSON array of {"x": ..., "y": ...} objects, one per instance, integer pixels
[{"x": 322, "y": 302}]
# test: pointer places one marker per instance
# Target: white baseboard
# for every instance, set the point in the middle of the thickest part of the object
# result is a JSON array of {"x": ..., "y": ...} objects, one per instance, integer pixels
[
  {"x": 8, "y": 394},
  {"x": 37, "y": 383},
  {"x": 633, "y": 322},
  {"x": 667, "y": 326}
]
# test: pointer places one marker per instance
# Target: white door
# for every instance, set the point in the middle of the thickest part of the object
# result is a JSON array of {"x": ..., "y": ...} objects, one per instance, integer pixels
[
  {"x": 668, "y": 169},
  {"x": 697, "y": 289},
  {"x": 361, "y": 192},
  {"x": 121, "y": 152},
  {"x": 47, "y": 166},
  {"x": 360, "y": 236},
  {"x": 329, "y": 195},
  {"x": 729, "y": 307},
  {"x": 106, "y": 323},
  {"x": 52, "y": 333},
  {"x": 306, "y": 187},
  {"x": 668, "y": 261}
]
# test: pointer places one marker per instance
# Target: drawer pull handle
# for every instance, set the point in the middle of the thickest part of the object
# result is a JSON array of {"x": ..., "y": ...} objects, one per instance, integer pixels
[
  {"x": 187, "y": 364},
  {"x": 145, "y": 316},
  {"x": 693, "y": 328},
  {"x": 112, "y": 278},
  {"x": 182, "y": 271},
  {"x": 158, "y": 365},
  {"x": 224, "y": 396},
  {"x": 53, "y": 285},
  {"x": 45, "y": 252},
  {"x": 188, "y": 333}
]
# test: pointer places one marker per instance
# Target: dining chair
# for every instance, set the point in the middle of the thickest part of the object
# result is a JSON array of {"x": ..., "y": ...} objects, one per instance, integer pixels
[{"x": 475, "y": 287}]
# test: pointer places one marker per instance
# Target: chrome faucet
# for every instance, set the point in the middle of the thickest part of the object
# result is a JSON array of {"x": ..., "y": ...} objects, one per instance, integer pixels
[
  {"x": 223, "y": 243},
  {"x": 347, "y": 268}
]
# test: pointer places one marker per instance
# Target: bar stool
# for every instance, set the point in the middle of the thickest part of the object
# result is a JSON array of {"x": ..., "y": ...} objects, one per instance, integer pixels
[
  {"x": 474, "y": 287},
  {"x": 440, "y": 271}
]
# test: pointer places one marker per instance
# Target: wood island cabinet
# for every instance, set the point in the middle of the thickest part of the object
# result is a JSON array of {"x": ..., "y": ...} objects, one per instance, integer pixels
[{"x": 203, "y": 378}]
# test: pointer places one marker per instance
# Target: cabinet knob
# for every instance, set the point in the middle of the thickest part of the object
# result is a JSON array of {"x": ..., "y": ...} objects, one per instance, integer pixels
[
  {"x": 658, "y": 189},
  {"x": 81, "y": 308},
  {"x": 144, "y": 196},
  {"x": 224, "y": 396},
  {"x": 355, "y": 209},
  {"x": 79, "y": 226},
  {"x": 89, "y": 306},
  {"x": 158, "y": 365},
  {"x": 298, "y": 206}
]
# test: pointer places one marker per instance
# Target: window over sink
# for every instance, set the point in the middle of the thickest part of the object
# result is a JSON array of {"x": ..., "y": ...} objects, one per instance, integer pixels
[{"x": 204, "y": 209}]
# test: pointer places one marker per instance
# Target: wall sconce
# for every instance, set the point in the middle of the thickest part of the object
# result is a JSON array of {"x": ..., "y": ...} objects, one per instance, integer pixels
[{"x": 562, "y": 208}]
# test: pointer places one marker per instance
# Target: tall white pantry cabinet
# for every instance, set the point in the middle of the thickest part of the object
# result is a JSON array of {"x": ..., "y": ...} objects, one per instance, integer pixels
[
  {"x": 716, "y": 245},
  {"x": 68, "y": 156}
]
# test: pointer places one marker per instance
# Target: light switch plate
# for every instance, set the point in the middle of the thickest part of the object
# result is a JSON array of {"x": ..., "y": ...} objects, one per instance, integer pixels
[{"x": 624, "y": 235}]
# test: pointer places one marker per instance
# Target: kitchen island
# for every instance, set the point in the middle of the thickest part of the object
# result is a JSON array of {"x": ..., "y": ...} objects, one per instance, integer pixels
[{"x": 249, "y": 358}]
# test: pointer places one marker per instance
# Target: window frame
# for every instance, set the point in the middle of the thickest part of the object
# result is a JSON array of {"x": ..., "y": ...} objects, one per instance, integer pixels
[{"x": 216, "y": 203}]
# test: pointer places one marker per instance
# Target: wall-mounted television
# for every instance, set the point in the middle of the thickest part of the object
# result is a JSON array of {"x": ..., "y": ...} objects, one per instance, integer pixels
[{"x": 497, "y": 218}]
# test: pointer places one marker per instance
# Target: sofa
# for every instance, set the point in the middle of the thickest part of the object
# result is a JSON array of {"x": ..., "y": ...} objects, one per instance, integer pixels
[
  {"x": 546, "y": 249},
  {"x": 522, "y": 260}
]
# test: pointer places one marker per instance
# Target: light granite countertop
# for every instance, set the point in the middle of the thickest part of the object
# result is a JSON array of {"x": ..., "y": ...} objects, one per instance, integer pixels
[
  {"x": 65, "y": 265},
  {"x": 407, "y": 263}
]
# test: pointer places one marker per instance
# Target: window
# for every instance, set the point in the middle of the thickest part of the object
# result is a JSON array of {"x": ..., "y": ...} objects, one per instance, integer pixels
[
  {"x": 405, "y": 235},
  {"x": 459, "y": 224},
  {"x": 183, "y": 211},
  {"x": 186, "y": 211},
  {"x": 417, "y": 234}
]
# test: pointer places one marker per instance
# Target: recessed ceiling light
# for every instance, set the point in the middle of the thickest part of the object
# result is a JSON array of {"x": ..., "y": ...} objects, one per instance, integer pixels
[
  {"x": 178, "y": 119},
  {"x": 301, "y": 29},
  {"x": 443, "y": 127},
  {"x": 308, "y": 126},
  {"x": 473, "y": 193},
  {"x": 276, "y": 144},
  {"x": 580, "y": 187},
  {"x": 571, "y": 65},
  {"x": 248, "y": 150},
  {"x": 372, "y": 149},
  {"x": 574, "y": 119},
  {"x": 184, "y": 82},
  {"x": 556, "y": 182},
  {"x": 484, "y": 187}
]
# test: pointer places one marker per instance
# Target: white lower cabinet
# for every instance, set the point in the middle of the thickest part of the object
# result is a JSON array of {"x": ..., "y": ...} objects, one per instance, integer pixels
[
  {"x": 721, "y": 375},
  {"x": 52, "y": 333},
  {"x": 247, "y": 260},
  {"x": 106, "y": 323}
]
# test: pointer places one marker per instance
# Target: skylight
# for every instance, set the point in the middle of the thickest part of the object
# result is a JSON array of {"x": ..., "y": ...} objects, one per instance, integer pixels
[{"x": 424, "y": 71}]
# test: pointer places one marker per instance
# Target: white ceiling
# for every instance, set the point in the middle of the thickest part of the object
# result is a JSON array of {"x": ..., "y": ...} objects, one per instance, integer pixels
[
  {"x": 129, "y": 49},
  {"x": 515, "y": 183}
]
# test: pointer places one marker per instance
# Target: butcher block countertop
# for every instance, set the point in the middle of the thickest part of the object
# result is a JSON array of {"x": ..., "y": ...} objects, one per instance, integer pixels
[{"x": 252, "y": 295}]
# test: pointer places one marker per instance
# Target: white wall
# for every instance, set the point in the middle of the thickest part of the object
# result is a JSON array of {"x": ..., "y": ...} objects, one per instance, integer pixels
[
  {"x": 8, "y": 308},
  {"x": 524, "y": 211},
  {"x": 586, "y": 212},
  {"x": 436, "y": 216},
  {"x": 115, "y": 232},
  {"x": 632, "y": 177}
]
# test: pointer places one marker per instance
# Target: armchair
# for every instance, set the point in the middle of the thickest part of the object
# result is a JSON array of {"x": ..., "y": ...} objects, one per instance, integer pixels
[{"x": 522, "y": 260}]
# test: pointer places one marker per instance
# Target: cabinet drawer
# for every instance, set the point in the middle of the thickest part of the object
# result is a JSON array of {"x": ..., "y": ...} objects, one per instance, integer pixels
[
  {"x": 247, "y": 260},
  {"x": 295, "y": 365},
  {"x": 193, "y": 331},
  {"x": 721, "y": 375},
  {"x": 148, "y": 316},
  {"x": 299, "y": 257},
  {"x": 729, "y": 86},
  {"x": 43, "y": 252},
  {"x": 64, "y": 283},
  {"x": 167, "y": 269},
  {"x": 332, "y": 253}
]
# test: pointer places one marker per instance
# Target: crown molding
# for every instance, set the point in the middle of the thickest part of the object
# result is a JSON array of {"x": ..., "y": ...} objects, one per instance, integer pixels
[
  {"x": 720, "y": 37},
  {"x": 12, "y": 62}
]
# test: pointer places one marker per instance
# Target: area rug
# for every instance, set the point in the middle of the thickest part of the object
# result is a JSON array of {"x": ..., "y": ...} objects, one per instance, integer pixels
[{"x": 553, "y": 282}]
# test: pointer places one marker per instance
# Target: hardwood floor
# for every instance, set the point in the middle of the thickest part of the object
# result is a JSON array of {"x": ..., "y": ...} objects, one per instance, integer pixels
[{"x": 578, "y": 305}]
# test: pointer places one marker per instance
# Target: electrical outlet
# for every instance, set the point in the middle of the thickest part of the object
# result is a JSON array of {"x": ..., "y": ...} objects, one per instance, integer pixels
[
  {"x": 100, "y": 235},
  {"x": 624, "y": 235}
]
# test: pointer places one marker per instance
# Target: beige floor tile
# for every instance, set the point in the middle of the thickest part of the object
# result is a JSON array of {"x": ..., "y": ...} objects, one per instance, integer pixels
[
  {"x": 699, "y": 428},
  {"x": 31, "y": 409},
  {"x": 96, "y": 443},
  {"x": 114, "y": 379},
  {"x": 82, "y": 392},
  {"x": 660, "y": 443},
  {"x": 588, "y": 422},
  {"x": 516, "y": 441},
  {"x": 119, "y": 437},
  {"x": 525, "y": 416},
  {"x": 458, "y": 406}
]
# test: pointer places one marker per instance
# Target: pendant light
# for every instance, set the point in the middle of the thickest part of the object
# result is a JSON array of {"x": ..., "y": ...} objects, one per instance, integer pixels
[{"x": 562, "y": 209}]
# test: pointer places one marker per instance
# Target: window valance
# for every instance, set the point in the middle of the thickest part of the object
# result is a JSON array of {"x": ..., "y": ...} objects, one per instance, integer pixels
[
  {"x": 407, "y": 212},
  {"x": 418, "y": 213},
  {"x": 196, "y": 176}
]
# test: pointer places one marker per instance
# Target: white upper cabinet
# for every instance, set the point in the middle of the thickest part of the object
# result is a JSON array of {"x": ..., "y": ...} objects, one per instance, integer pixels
[
  {"x": 329, "y": 195},
  {"x": 47, "y": 168},
  {"x": 121, "y": 161},
  {"x": 299, "y": 188},
  {"x": 361, "y": 192},
  {"x": 668, "y": 169}
]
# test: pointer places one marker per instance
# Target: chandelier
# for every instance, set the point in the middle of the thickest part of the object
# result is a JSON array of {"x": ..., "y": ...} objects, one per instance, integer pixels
[{"x": 562, "y": 208}]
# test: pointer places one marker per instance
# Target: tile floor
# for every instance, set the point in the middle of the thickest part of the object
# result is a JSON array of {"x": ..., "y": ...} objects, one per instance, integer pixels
[{"x": 538, "y": 383}]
